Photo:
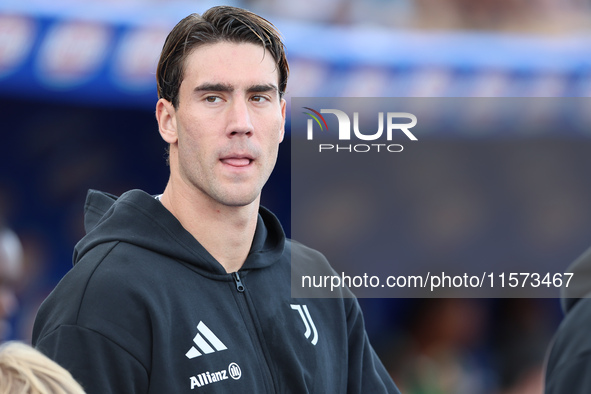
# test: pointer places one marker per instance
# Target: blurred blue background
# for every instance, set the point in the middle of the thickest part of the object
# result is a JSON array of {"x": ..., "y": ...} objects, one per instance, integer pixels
[{"x": 77, "y": 98}]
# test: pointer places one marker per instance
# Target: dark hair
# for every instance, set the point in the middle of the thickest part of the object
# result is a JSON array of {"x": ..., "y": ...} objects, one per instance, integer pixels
[{"x": 217, "y": 24}]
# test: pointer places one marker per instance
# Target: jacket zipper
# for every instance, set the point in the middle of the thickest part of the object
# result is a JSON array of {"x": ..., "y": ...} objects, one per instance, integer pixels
[
  {"x": 241, "y": 289},
  {"x": 238, "y": 281}
]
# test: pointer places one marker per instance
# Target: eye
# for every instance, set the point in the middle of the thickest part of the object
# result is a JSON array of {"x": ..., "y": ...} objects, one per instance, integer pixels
[
  {"x": 258, "y": 99},
  {"x": 212, "y": 99}
]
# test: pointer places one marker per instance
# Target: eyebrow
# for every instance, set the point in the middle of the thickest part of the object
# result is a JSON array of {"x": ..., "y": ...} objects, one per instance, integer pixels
[{"x": 222, "y": 87}]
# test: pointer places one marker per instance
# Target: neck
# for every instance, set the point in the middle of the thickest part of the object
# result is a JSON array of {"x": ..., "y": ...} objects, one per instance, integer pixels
[{"x": 226, "y": 232}]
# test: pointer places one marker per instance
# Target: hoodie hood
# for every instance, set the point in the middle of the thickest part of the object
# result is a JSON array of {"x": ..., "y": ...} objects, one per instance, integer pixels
[
  {"x": 580, "y": 284},
  {"x": 138, "y": 218}
]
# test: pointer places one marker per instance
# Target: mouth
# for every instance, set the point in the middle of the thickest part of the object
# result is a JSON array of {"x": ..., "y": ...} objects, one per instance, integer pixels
[{"x": 237, "y": 160}]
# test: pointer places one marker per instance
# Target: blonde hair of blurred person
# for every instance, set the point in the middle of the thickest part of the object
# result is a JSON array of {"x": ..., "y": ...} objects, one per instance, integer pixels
[{"x": 25, "y": 370}]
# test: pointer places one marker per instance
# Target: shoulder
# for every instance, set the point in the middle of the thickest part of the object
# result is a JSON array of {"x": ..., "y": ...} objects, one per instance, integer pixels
[
  {"x": 307, "y": 261},
  {"x": 304, "y": 257},
  {"x": 312, "y": 276},
  {"x": 569, "y": 362},
  {"x": 570, "y": 336},
  {"x": 104, "y": 289},
  {"x": 111, "y": 295}
]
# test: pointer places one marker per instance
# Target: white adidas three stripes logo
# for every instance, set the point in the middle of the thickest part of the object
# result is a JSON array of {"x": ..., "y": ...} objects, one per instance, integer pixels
[{"x": 202, "y": 344}]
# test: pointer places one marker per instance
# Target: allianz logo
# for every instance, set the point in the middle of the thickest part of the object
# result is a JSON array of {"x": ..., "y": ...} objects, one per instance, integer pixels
[{"x": 233, "y": 371}]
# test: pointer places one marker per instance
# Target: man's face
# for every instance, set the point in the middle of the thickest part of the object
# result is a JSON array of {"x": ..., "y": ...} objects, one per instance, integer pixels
[{"x": 229, "y": 122}]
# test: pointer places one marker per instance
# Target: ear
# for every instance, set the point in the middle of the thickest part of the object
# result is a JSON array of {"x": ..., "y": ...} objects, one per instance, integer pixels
[
  {"x": 165, "y": 115},
  {"x": 283, "y": 114}
]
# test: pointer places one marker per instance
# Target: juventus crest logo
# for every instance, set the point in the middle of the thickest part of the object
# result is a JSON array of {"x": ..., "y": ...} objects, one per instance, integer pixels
[{"x": 308, "y": 322}]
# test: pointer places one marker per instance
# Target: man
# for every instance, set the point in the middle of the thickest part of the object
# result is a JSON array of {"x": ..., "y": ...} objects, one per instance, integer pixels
[{"x": 190, "y": 290}]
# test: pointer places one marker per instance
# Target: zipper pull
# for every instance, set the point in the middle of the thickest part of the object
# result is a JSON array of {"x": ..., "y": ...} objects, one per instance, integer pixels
[{"x": 239, "y": 285}]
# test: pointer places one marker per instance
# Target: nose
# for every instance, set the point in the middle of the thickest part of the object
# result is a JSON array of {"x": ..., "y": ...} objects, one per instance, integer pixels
[{"x": 240, "y": 122}]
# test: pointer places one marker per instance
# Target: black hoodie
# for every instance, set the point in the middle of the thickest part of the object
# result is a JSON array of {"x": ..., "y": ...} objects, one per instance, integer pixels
[
  {"x": 146, "y": 309},
  {"x": 568, "y": 368}
]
